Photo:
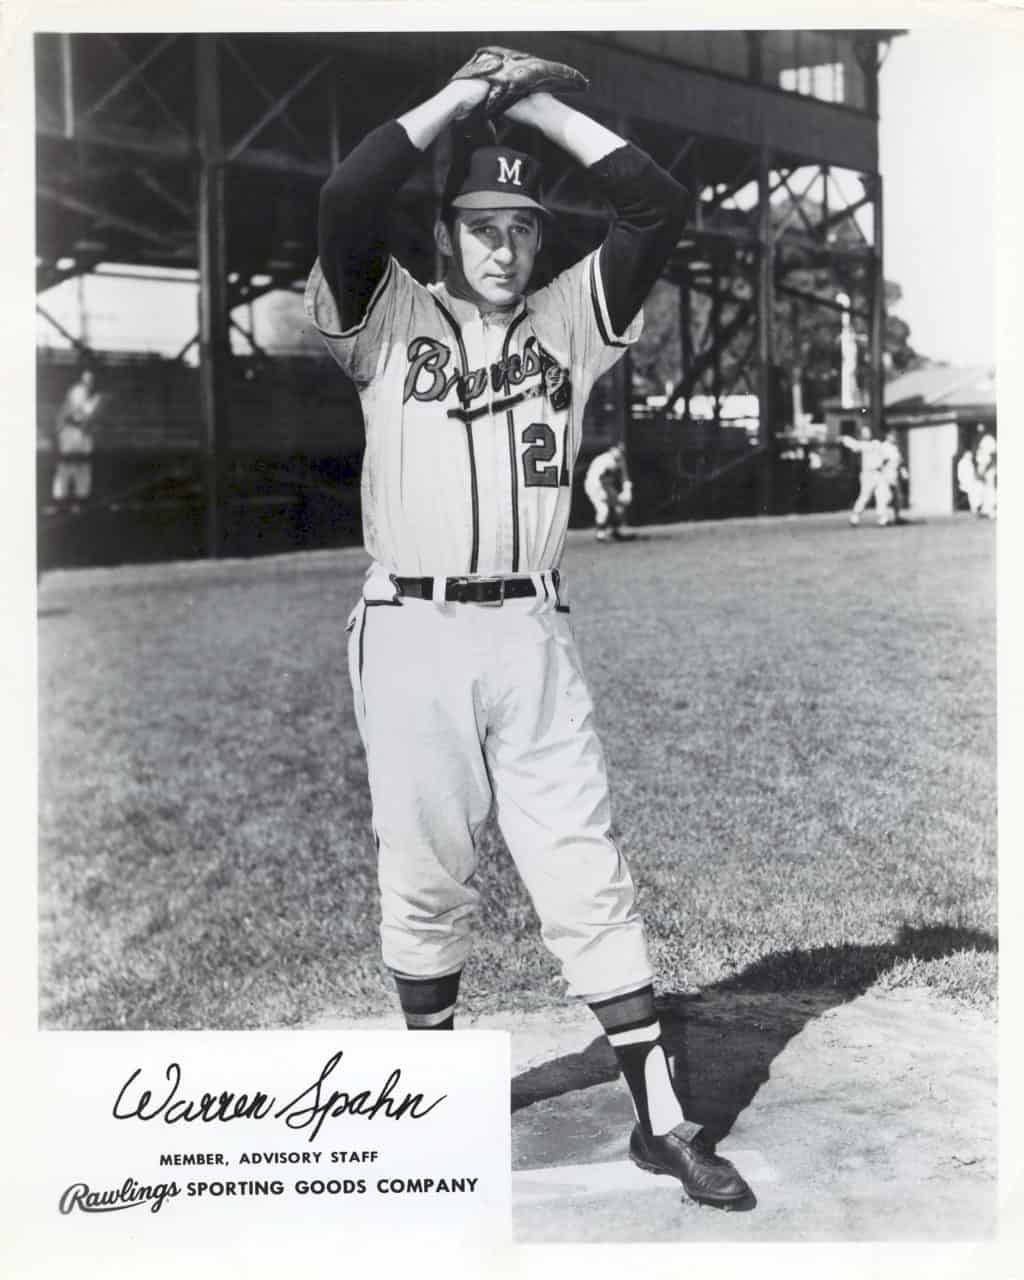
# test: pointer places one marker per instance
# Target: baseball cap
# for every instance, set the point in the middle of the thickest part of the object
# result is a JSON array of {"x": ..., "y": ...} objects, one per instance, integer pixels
[{"x": 498, "y": 178}]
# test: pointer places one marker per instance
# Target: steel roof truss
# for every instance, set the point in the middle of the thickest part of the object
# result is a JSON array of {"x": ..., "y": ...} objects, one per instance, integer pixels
[
  {"x": 135, "y": 72},
  {"x": 278, "y": 109},
  {"x": 105, "y": 219},
  {"x": 271, "y": 99}
]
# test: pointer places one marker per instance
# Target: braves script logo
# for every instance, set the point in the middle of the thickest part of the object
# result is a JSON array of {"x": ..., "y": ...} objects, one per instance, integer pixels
[{"x": 428, "y": 376}]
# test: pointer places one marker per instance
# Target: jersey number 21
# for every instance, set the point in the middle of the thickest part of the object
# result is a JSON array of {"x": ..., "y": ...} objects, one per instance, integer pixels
[{"x": 538, "y": 469}]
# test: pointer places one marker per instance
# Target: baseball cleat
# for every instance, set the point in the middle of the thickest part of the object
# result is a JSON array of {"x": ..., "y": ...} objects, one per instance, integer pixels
[
  {"x": 854, "y": 519},
  {"x": 602, "y": 535},
  {"x": 706, "y": 1177}
]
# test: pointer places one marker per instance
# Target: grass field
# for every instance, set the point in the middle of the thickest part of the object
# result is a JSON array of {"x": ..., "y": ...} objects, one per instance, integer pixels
[{"x": 799, "y": 720}]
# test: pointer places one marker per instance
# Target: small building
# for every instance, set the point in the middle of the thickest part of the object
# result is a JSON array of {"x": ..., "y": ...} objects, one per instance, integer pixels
[{"x": 936, "y": 412}]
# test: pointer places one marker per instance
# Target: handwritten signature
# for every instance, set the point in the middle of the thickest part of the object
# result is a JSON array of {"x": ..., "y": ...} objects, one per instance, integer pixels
[{"x": 308, "y": 1110}]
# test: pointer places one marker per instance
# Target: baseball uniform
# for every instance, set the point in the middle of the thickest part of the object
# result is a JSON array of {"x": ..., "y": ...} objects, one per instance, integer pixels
[
  {"x": 466, "y": 679},
  {"x": 886, "y": 486},
  {"x": 967, "y": 480},
  {"x": 72, "y": 477},
  {"x": 467, "y": 683},
  {"x": 985, "y": 456},
  {"x": 872, "y": 459},
  {"x": 609, "y": 488}
]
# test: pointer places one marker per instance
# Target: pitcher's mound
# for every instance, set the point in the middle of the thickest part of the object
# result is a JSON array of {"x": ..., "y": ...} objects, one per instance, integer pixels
[{"x": 872, "y": 1119}]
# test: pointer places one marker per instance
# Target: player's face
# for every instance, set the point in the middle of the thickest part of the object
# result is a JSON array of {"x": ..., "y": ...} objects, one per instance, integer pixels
[{"x": 492, "y": 254}]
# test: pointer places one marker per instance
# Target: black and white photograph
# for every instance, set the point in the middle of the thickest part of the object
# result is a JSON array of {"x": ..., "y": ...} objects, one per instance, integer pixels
[{"x": 513, "y": 516}]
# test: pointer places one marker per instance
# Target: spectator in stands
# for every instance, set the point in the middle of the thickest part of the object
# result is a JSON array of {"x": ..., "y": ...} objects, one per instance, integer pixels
[{"x": 75, "y": 432}]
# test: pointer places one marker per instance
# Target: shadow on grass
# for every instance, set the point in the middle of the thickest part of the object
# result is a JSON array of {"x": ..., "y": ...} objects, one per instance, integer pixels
[{"x": 721, "y": 1063}]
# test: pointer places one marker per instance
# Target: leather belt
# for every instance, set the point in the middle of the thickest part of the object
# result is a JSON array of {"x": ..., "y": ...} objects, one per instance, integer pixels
[{"x": 471, "y": 590}]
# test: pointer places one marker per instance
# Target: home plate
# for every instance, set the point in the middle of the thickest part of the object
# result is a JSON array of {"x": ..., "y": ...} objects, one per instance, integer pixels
[{"x": 561, "y": 1182}]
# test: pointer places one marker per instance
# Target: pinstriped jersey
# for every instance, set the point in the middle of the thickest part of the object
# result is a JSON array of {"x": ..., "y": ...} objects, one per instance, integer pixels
[{"x": 473, "y": 422}]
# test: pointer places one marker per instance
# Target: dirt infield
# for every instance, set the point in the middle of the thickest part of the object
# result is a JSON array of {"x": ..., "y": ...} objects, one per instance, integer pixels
[{"x": 869, "y": 1120}]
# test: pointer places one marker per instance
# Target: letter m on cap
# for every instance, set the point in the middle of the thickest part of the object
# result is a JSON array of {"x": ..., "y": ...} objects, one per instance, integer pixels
[{"x": 510, "y": 172}]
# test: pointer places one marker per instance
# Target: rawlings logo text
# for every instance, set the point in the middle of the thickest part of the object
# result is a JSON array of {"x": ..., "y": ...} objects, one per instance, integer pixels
[{"x": 129, "y": 1195}]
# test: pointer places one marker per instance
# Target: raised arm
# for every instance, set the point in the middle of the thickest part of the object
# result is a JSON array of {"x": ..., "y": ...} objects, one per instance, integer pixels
[
  {"x": 649, "y": 206},
  {"x": 356, "y": 197}
]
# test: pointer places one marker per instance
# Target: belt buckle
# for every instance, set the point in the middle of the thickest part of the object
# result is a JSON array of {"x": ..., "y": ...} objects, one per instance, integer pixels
[{"x": 464, "y": 588}]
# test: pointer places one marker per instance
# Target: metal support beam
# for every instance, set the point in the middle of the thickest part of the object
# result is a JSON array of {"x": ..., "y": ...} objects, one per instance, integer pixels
[
  {"x": 136, "y": 71},
  {"x": 716, "y": 362},
  {"x": 622, "y": 380},
  {"x": 153, "y": 184},
  {"x": 270, "y": 98},
  {"x": 278, "y": 108},
  {"x": 67, "y": 85},
  {"x": 878, "y": 316},
  {"x": 333, "y": 121},
  {"x": 180, "y": 355},
  {"x": 81, "y": 347},
  {"x": 681, "y": 154},
  {"x": 817, "y": 299},
  {"x": 623, "y": 376},
  {"x": 247, "y": 335},
  {"x": 106, "y": 219},
  {"x": 765, "y": 335},
  {"x": 214, "y": 347},
  {"x": 797, "y": 207},
  {"x": 703, "y": 360},
  {"x": 686, "y": 338}
]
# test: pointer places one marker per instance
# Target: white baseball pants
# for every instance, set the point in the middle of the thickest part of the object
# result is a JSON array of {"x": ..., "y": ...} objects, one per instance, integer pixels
[
  {"x": 869, "y": 483},
  {"x": 72, "y": 480},
  {"x": 465, "y": 706}
]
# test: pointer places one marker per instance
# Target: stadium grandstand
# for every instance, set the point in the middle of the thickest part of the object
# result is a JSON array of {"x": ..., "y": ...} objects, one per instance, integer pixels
[{"x": 177, "y": 184}]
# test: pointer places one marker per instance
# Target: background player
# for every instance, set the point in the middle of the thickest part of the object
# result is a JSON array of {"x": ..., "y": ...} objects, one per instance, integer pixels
[
  {"x": 891, "y": 474},
  {"x": 466, "y": 679},
  {"x": 967, "y": 479},
  {"x": 610, "y": 490},
  {"x": 872, "y": 457},
  {"x": 74, "y": 430},
  {"x": 985, "y": 462}
]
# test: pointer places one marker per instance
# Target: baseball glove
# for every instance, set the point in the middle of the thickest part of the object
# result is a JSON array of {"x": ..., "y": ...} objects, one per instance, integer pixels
[{"x": 513, "y": 75}]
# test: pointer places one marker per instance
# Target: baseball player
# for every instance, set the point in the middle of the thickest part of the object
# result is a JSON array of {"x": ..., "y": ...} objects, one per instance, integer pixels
[
  {"x": 967, "y": 480},
  {"x": 610, "y": 490},
  {"x": 467, "y": 683},
  {"x": 872, "y": 485},
  {"x": 985, "y": 460},
  {"x": 72, "y": 477},
  {"x": 890, "y": 474}
]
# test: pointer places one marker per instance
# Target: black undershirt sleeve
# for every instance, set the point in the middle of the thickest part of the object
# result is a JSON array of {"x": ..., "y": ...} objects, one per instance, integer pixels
[
  {"x": 354, "y": 202},
  {"x": 648, "y": 205},
  {"x": 649, "y": 209}
]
